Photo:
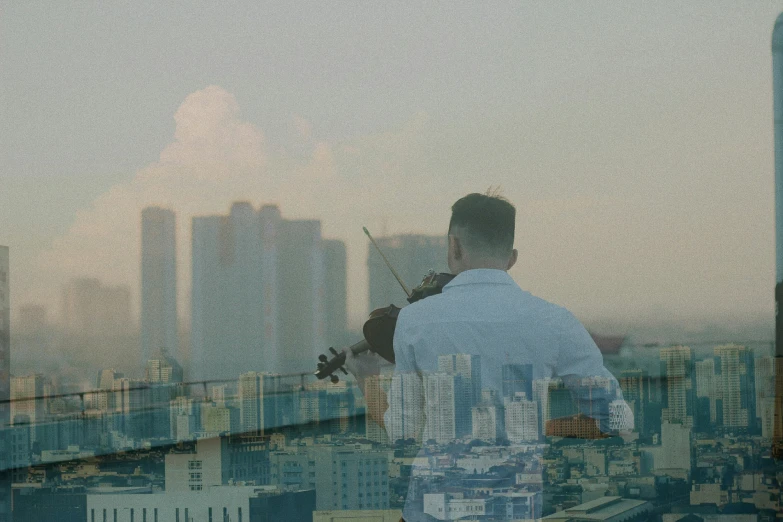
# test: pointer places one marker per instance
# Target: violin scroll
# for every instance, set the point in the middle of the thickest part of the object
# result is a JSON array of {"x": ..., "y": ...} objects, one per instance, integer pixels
[{"x": 379, "y": 329}]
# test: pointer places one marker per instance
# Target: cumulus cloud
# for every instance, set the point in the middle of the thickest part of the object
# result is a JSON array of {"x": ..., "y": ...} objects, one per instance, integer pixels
[
  {"x": 599, "y": 250},
  {"x": 216, "y": 158}
]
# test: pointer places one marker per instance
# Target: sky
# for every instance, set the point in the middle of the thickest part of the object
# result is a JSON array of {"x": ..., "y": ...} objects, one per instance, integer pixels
[{"x": 635, "y": 138}]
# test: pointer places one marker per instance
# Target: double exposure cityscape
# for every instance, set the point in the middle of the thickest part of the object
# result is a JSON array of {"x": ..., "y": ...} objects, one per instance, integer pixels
[{"x": 174, "y": 353}]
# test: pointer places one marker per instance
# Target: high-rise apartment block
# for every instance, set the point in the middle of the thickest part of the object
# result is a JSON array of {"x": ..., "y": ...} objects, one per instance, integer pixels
[
  {"x": 521, "y": 416},
  {"x": 677, "y": 369},
  {"x": 708, "y": 394},
  {"x": 412, "y": 256},
  {"x": 487, "y": 422},
  {"x": 466, "y": 369},
  {"x": 405, "y": 422},
  {"x": 163, "y": 369},
  {"x": 158, "y": 282},
  {"x": 635, "y": 385},
  {"x": 266, "y": 402},
  {"x": 764, "y": 379},
  {"x": 736, "y": 377},
  {"x": 258, "y": 293},
  {"x": 28, "y": 406},
  {"x": 440, "y": 407}
]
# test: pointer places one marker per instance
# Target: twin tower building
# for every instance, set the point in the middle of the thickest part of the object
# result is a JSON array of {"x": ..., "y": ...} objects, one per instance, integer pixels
[{"x": 267, "y": 294}]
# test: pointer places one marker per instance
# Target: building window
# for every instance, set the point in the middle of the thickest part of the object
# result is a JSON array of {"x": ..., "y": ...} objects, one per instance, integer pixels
[
  {"x": 194, "y": 464},
  {"x": 210, "y": 514},
  {"x": 187, "y": 519},
  {"x": 104, "y": 515},
  {"x": 239, "y": 514},
  {"x": 195, "y": 477},
  {"x": 144, "y": 515},
  {"x": 155, "y": 514},
  {"x": 176, "y": 511},
  {"x": 115, "y": 514},
  {"x": 92, "y": 515},
  {"x": 196, "y": 487},
  {"x": 132, "y": 515}
]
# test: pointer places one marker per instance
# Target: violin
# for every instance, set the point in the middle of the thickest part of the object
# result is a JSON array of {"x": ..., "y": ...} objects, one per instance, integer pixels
[{"x": 378, "y": 330}]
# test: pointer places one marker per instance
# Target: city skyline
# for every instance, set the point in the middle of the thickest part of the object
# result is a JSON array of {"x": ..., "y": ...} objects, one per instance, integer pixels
[
  {"x": 204, "y": 177},
  {"x": 310, "y": 148}
]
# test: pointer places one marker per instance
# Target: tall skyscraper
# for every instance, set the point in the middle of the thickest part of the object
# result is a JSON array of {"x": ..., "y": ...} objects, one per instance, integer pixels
[
  {"x": 708, "y": 396},
  {"x": 517, "y": 378},
  {"x": 163, "y": 369},
  {"x": 257, "y": 293},
  {"x": 404, "y": 421},
  {"x": 522, "y": 420},
  {"x": 336, "y": 293},
  {"x": 635, "y": 386},
  {"x": 764, "y": 373},
  {"x": 265, "y": 403},
  {"x": 228, "y": 299},
  {"x": 677, "y": 371},
  {"x": 439, "y": 393},
  {"x": 487, "y": 422},
  {"x": 467, "y": 387},
  {"x": 28, "y": 406},
  {"x": 301, "y": 295},
  {"x": 736, "y": 377},
  {"x": 162, "y": 372},
  {"x": 5, "y": 384},
  {"x": 777, "y": 88},
  {"x": 541, "y": 398},
  {"x": 158, "y": 283},
  {"x": 412, "y": 256}
]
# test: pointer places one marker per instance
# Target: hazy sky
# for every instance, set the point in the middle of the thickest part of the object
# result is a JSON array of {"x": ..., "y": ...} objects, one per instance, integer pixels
[{"x": 635, "y": 138}]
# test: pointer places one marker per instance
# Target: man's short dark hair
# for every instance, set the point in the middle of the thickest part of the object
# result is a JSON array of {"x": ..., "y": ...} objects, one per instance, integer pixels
[{"x": 485, "y": 223}]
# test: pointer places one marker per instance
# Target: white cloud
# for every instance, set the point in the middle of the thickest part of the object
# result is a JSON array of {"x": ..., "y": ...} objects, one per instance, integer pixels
[
  {"x": 594, "y": 247},
  {"x": 217, "y": 158}
]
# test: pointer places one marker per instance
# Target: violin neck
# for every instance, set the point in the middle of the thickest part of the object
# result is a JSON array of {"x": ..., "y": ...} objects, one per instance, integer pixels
[{"x": 360, "y": 347}]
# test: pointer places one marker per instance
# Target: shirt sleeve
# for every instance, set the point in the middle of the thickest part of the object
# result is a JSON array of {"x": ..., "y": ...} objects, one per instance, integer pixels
[
  {"x": 594, "y": 389},
  {"x": 404, "y": 418}
]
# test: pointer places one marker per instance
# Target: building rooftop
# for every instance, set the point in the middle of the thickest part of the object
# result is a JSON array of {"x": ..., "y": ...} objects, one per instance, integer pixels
[{"x": 604, "y": 508}]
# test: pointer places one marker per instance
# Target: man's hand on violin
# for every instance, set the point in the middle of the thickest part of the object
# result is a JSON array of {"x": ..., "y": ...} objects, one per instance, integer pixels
[{"x": 364, "y": 365}]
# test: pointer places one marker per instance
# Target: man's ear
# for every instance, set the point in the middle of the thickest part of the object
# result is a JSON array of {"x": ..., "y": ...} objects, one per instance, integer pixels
[{"x": 512, "y": 261}]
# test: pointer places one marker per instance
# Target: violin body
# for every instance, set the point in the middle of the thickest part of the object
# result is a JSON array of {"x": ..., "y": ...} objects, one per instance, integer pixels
[{"x": 378, "y": 330}]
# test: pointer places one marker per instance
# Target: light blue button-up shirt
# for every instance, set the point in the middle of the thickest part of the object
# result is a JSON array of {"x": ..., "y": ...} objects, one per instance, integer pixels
[{"x": 484, "y": 312}]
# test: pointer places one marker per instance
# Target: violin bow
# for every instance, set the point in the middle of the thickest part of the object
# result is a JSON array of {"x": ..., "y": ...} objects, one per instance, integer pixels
[{"x": 388, "y": 264}]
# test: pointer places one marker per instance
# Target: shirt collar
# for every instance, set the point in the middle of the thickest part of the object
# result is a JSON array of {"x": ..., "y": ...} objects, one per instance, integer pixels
[{"x": 481, "y": 276}]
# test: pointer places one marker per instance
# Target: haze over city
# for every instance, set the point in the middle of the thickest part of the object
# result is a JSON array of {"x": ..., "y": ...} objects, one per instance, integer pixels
[{"x": 635, "y": 140}]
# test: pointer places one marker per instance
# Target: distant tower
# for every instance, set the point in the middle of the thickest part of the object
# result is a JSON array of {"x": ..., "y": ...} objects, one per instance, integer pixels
[
  {"x": 777, "y": 87},
  {"x": 412, "y": 256},
  {"x": 736, "y": 385},
  {"x": 158, "y": 283},
  {"x": 336, "y": 288},
  {"x": 677, "y": 366}
]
